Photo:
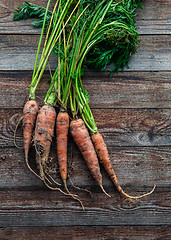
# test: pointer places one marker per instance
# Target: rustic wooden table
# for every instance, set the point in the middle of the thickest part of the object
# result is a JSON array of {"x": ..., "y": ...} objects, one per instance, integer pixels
[{"x": 133, "y": 112}]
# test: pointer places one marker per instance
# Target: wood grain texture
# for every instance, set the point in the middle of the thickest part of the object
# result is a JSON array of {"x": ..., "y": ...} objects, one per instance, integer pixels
[
  {"x": 42, "y": 198},
  {"x": 123, "y": 90},
  {"x": 120, "y": 127},
  {"x": 154, "y": 18},
  {"x": 133, "y": 166},
  {"x": 88, "y": 232},
  {"x": 19, "y": 52},
  {"x": 37, "y": 206},
  {"x": 7, "y": 25},
  {"x": 133, "y": 112},
  {"x": 71, "y": 216}
]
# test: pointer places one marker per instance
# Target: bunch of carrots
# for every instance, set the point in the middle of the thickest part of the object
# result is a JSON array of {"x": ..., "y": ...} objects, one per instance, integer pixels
[{"x": 79, "y": 32}]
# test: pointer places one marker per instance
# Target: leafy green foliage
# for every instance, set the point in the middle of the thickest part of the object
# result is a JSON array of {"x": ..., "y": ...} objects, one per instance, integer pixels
[
  {"x": 116, "y": 45},
  {"x": 29, "y": 10},
  {"x": 119, "y": 43}
]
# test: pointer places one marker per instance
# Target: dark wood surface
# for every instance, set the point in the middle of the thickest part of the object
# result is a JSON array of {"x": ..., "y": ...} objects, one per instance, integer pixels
[
  {"x": 154, "y": 19},
  {"x": 87, "y": 233},
  {"x": 21, "y": 55},
  {"x": 133, "y": 113}
]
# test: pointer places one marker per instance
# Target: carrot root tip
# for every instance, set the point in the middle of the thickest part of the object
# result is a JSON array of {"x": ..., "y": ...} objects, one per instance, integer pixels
[
  {"x": 72, "y": 195},
  {"x": 65, "y": 185},
  {"x": 104, "y": 191},
  {"x": 82, "y": 189},
  {"x": 47, "y": 179},
  {"x": 141, "y": 196},
  {"x": 53, "y": 179}
]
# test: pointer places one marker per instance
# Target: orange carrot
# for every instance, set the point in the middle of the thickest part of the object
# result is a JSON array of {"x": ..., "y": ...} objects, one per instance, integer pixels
[
  {"x": 62, "y": 126},
  {"x": 84, "y": 143},
  {"x": 29, "y": 117},
  {"x": 103, "y": 155},
  {"x": 43, "y": 135}
]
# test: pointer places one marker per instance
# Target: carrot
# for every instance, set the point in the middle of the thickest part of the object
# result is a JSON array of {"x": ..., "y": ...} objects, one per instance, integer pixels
[
  {"x": 84, "y": 143},
  {"x": 43, "y": 135},
  {"x": 103, "y": 155},
  {"x": 30, "y": 111},
  {"x": 62, "y": 126},
  {"x": 29, "y": 117}
]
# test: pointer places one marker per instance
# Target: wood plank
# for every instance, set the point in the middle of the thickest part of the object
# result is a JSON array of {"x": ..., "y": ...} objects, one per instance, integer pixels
[
  {"x": 138, "y": 139},
  {"x": 153, "y": 19},
  {"x": 18, "y": 85},
  {"x": 134, "y": 167},
  {"x": 37, "y": 206},
  {"x": 43, "y": 199},
  {"x": 18, "y": 52},
  {"x": 74, "y": 216},
  {"x": 88, "y": 232},
  {"x": 153, "y": 54},
  {"x": 134, "y": 127},
  {"x": 129, "y": 90},
  {"x": 120, "y": 127},
  {"x": 49, "y": 208},
  {"x": 123, "y": 90},
  {"x": 7, "y": 25},
  {"x": 40, "y": 207}
]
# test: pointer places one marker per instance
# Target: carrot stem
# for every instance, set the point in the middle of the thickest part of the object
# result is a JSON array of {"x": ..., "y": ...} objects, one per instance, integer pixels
[{"x": 41, "y": 36}]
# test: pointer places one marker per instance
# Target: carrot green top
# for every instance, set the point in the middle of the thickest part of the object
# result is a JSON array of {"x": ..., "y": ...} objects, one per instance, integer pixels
[{"x": 81, "y": 33}]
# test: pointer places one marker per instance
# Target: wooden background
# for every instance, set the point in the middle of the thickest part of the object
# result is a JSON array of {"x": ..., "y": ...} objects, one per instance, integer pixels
[{"x": 133, "y": 112}]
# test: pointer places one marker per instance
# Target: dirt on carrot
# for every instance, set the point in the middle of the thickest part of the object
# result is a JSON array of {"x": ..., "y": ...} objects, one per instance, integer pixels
[
  {"x": 62, "y": 127},
  {"x": 30, "y": 111},
  {"x": 43, "y": 135},
  {"x": 29, "y": 117},
  {"x": 82, "y": 139}
]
